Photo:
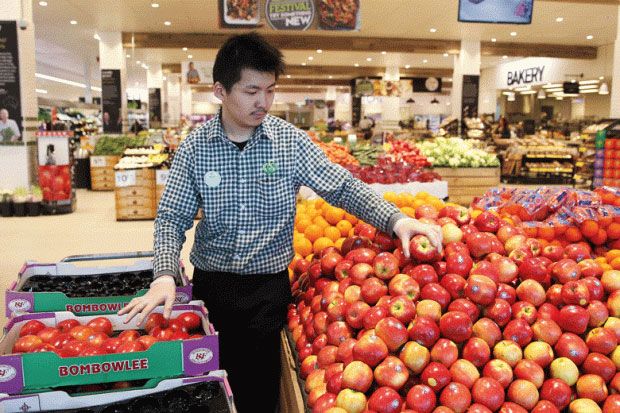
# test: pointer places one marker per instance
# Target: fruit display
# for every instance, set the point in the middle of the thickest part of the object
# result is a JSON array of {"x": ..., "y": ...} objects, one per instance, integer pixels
[
  {"x": 367, "y": 154},
  {"x": 55, "y": 182},
  {"x": 389, "y": 172},
  {"x": 336, "y": 152},
  {"x": 456, "y": 153},
  {"x": 142, "y": 157},
  {"x": 115, "y": 145},
  {"x": 407, "y": 152},
  {"x": 495, "y": 321}
]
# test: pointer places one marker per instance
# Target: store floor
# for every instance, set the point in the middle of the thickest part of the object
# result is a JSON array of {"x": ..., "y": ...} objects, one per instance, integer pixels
[{"x": 91, "y": 229}]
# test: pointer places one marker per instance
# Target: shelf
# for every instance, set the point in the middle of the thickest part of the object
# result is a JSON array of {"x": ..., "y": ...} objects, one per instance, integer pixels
[
  {"x": 547, "y": 156},
  {"x": 551, "y": 170}
]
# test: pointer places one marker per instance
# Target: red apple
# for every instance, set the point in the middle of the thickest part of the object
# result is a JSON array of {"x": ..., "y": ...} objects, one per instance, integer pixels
[
  {"x": 324, "y": 403},
  {"x": 308, "y": 365},
  {"x": 345, "y": 351},
  {"x": 566, "y": 270},
  {"x": 355, "y": 314},
  {"x": 499, "y": 311},
  {"x": 531, "y": 291},
  {"x": 402, "y": 308},
  {"x": 572, "y": 346},
  {"x": 600, "y": 365},
  {"x": 456, "y": 397},
  {"x": 361, "y": 255},
  {"x": 391, "y": 372},
  {"x": 357, "y": 376},
  {"x": 611, "y": 281},
  {"x": 499, "y": 370},
  {"x": 539, "y": 352},
  {"x": 564, "y": 369},
  {"x": 351, "y": 401},
  {"x": 487, "y": 330},
  {"x": 421, "y": 398},
  {"x": 557, "y": 392},
  {"x": 574, "y": 319},
  {"x": 459, "y": 263},
  {"x": 373, "y": 289},
  {"x": 464, "y": 372},
  {"x": 553, "y": 252},
  {"x": 466, "y": 306},
  {"x": 601, "y": 340},
  {"x": 545, "y": 406},
  {"x": 436, "y": 376},
  {"x": 507, "y": 293},
  {"x": 530, "y": 371},
  {"x": 612, "y": 404},
  {"x": 370, "y": 349},
  {"x": 524, "y": 310},
  {"x": 508, "y": 351},
  {"x": 445, "y": 352},
  {"x": 314, "y": 380},
  {"x": 591, "y": 386},
  {"x": 508, "y": 270},
  {"x": 337, "y": 332},
  {"x": 385, "y": 400},
  {"x": 428, "y": 308},
  {"x": 435, "y": 292},
  {"x": 359, "y": 272},
  {"x": 488, "y": 392},
  {"x": 352, "y": 293},
  {"x": 523, "y": 393},
  {"x": 456, "y": 326},
  {"x": 487, "y": 222},
  {"x": 477, "y": 351},
  {"x": 519, "y": 331},
  {"x": 515, "y": 242},
  {"x": 342, "y": 269},
  {"x": 336, "y": 309},
  {"x": 574, "y": 292},
  {"x": 421, "y": 249},
  {"x": 403, "y": 284},
  {"x": 423, "y": 274},
  {"x": 385, "y": 265},
  {"x": 392, "y": 332},
  {"x": 329, "y": 262},
  {"x": 374, "y": 315}
]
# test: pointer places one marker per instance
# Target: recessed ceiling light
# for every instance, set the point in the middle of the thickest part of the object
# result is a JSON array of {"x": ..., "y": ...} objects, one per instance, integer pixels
[
  {"x": 164, "y": 78},
  {"x": 493, "y": 39},
  {"x": 446, "y": 55},
  {"x": 384, "y": 52},
  {"x": 369, "y": 59},
  {"x": 407, "y": 66},
  {"x": 96, "y": 36},
  {"x": 319, "y": 51},
  {"x": 356, "y": 64},
  {"x": 310, "y": 57},
  {"x": 288, "y": 76},
  {"x": 601, "y": 77},
  {"x": 128, "y": 56},
  {"x": 43, "y": 3},
  {"x": 138, "y": 62},
  {"x": 433, "y": 30},
  {"x": 513, "y": 34},
  {"x": 425, "y": 61},
  {"x": 190, "y": 56},
  {"x": 330, "y": 76},
  {"x": 504, "y": 57},
  {"x": 303, "y": 63},
  {"x": 73, "y": 22},
  {"x": 559, "y": 19},
  {"x": 184, "y": 49},
  {"x": 167, "y": 23},
  {"x": 589, "y": 37},
  {"x": 155, "y": 5}
]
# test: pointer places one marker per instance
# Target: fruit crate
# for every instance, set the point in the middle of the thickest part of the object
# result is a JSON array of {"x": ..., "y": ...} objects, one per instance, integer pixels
[
  {"x": 19, "y": 297},
  {"x": 28, "y": 372},
  {"x": 102, "y": 172},
  {"x": 464, "y": 184},
  {"x": 209, "y": 393}
]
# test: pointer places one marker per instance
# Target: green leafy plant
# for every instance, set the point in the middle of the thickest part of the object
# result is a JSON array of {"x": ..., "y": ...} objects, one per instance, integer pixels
[
  {"x": 37, "y": 194},
  {"x": 109, "y": 145},
  {"x": 20, "y": 195}
]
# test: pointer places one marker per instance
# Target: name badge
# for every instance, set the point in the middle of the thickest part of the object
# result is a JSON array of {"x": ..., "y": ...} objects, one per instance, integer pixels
[{"x": 213, "y": 179}]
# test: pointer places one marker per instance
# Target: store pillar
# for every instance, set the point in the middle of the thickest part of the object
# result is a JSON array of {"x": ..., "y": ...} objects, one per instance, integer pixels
[
  {"x": 464, "y": 80},
  {"x": 113, "y": 82},
  {"x": 155, "y": 82},
  {"x": 615, "y": 75}
]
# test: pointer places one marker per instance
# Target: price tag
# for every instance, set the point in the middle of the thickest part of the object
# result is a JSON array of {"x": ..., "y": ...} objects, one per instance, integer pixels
[
  {"x": 161, "y": 176},
  {"x": 97, "y": 161},
  {"x": 125, "y": 178}
]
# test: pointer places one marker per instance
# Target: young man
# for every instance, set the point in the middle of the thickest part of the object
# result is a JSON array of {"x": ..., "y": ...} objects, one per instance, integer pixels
[{"x": 244, "y": 168}]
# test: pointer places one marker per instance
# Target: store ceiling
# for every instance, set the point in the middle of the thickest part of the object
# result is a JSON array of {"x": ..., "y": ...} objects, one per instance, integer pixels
[{"x": 400, "y": 19}]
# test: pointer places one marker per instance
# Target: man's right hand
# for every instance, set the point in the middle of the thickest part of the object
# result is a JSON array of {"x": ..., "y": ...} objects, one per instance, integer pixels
[{"x": 162, "y": 291}]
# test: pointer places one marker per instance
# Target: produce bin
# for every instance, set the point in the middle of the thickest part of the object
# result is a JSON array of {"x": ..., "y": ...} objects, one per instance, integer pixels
[
  {"x": 155, "y": 393},
  {"x": 28, "y": 372},
  {"x": 102, "y": 172},
  {"x": 135, "y": 194},
  {"x": 464, "y": 184},
  {"x": 18, "y": 300}
]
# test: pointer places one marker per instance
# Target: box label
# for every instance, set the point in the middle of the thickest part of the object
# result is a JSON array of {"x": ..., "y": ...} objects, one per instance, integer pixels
[
  {"x": 98, "y": 161},
  {"x": 161, "y": 176},
  {"x": 105, "y": 367},
  {"x": 125, "y": 178}
]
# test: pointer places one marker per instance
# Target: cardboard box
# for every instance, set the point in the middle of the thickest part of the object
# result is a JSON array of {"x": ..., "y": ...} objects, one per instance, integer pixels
[
  {"x": 20, "y": 373},
  {"x": 19, "y": 302},
  {"x": 96, "y": 402}
]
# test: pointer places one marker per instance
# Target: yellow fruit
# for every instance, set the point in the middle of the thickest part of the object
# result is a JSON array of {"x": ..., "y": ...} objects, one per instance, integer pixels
[
  {"x": 321, "y": 243},
  {"x": 332, "y": 233},
  {"x": 334, "y": 215},
  {"x": 344, "y": 227},
  {"x": 302, "y": 246},
  {"x": 338, "y": 243},
  {"x": 313, "y": 232}
]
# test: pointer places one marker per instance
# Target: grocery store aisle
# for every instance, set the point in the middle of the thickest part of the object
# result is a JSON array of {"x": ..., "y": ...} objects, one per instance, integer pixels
[{"x": 91, "y": 229}]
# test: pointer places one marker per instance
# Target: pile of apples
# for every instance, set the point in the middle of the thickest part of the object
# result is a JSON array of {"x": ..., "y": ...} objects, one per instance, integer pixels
[
  {"x": 70, "y": 338},
  {"x": 497, "y": 321}
]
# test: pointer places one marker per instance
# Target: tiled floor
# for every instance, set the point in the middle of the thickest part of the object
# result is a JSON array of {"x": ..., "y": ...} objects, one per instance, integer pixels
[{"x": 91, "y": 229}]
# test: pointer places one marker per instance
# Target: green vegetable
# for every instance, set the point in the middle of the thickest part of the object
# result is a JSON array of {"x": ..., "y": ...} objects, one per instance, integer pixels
[
  {"x": 455, "y": 153},
  {"x": 115, "y": 145}
]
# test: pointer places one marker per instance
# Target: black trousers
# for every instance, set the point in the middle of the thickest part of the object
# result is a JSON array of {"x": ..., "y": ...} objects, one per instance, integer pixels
[{"x": 248, "y": 311}]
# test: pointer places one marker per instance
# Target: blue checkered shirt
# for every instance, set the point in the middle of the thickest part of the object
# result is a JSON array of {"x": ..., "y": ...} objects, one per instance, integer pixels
[{"x": 249, "y": 198}]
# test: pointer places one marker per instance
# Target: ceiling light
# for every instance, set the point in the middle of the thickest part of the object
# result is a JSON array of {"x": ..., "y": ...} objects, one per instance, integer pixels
[
  {"x": 552, "y": 85},
  {"x": 138, "y": 62},
  {"x": 384, "y": 52},
  {"x": 356, "y": 64},
  {"x": 588, "y": 82},
  {"x": 448, "y": 103},
  {"x": 511, "y": 97},
  {"x": 319, "y": 51},
  {"x": 330, "y": 76},
  {"x": 184, "y": 49},
  {"x": 433, "y": 30},
  {"x": 43, "y": 3},
  {"x": 493, "y": 39},
  {"x": 310, "y": 57},
  {"x": 41, "y": 91},
  {"x": 589, "y": 91},
  {"x": 573, "y": 81},
  {"x": 446, "y": 55},
  {"x": 288, "y": 76},
  {"x": 589, "y": 37},
  {"x": 65, "y": 81},
  {"x": 559, "y": 19},
  {"x": 504, "y": 57},
  {"x": 585, "y": 87},
  {"x": 190, "y": 56},
  {"x": 407, "y": 66},
  {"x": 303, "y": 63},
  {"x": 155, "y": 5},
  {"x": 542, "y": 94},
  {"x": 73, "y": 22},
  {"x": 513, "y": 34},
  {"x": 604, "y": 89},
  {"x": 528, "y": 92},
  {"x": 507, "y": 93},
  {"x": 601, "y": 77},
  {"x": 425, "y": 61},
  {"x": 559, "y": 98},
  {"x": 96, "y": 36},
  {"x": 369, "y": 59},
  {"x": 167, "y": 23},
  {"x": 164, "y": 78},
  {"x": 127, "y": 56}
]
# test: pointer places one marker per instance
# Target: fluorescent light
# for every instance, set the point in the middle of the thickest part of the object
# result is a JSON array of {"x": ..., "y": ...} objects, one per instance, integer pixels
[
  {"x": 138, "y": 62},
  {"x": 43, "y": 3},
  {"x": 507, "y": 93},
  {"x": 588, "y": 82},
  {"x": 589, "y": 91},
  {"x": 493, "y": 39},
  {"x": 585, "y": 87},
  {"x": 127, "y": 56},
  {"x": 407, "y": 66},
  {"x": 167, "y": 23},
  {"x": 288, "y": 76},
  {"x": 529, "y": 92},
  {"x": 310, "y": 57},
  {"x": 425, "y": 61},
  {"x": 446, "y": 55},
  {"x": 550, "y": 85},
  {"x": 369, "y": 59},
  {"x": 303, "y": 63},
  {"x": 589, "y": 37},
  {"x": 73, "y": 22},
  {"x": 155, "y": 5},
  {"x": 184, "y": 49},
  {"x": 552, "y": 90},
  {"x": 559, "y": 19},
  {"x": 319, "y": 51},
  {"x": 356, "y": 64},
  {"x": 190, "y": 56},
  {"x": 504, "y": 57},
  {"x": 513, "y": 34},
  {"x": 384, "y": 52},
  {"x": 41, "y": 91},
  {"x": 433, "y": 30},
  {"x": 559, "y": 98},
  {"x": 65, "y": 81},
  {"x": 96, "y": 36},
  {"x": 330, "y": 77}
]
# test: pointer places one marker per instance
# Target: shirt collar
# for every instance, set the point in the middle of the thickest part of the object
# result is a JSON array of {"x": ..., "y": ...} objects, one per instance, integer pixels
[{"x": 217, "y": 129}]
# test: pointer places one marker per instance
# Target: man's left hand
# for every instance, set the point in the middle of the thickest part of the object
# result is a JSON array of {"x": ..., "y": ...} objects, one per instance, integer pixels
[{"x": 406, "y": 228}]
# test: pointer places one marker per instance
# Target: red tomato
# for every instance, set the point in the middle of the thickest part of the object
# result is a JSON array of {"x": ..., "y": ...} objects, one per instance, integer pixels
[
  {"x": 61, "y": 339},
  {"x": 147, "y": 341},
  {"x": 162, "y": 334},
  {"x": 177, "y": 325},
  {"x": 92, "y": 351},
  {"x": 48, "y": 334},
  {"x": 101, "y": 324},
  {"x": 130, "y": 347},
  {"x": 27, "y": 344},
  {"x": 66, "y": 325},
  {"x": 97, "y": 339},
  {"x": 191, "y": 320},
  {"x": 155, "y": 320},
  {"x": 111, "y": 344},
  {"x": 81, "y": 333},
  {"x": 44, "y": 347},
  {"x": 179, "y": 335},
  {"x": 75, "y": 347},
  {"x": 129, "y": 335},
  {"x": 32, "y": 327},
  {"x": 63, "y": 353}
]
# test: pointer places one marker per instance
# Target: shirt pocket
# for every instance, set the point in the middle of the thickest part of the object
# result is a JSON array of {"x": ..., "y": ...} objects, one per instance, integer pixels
[{"x": 275, "y": 197}]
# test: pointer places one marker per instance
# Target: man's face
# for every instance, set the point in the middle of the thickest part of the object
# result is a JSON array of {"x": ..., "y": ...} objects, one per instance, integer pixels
[
  {"x": 4, "y": 115},
  {"x": 191, "y": 66},
  {"x": 249, "y": 100},
  {"x": 106, "y": 117}
]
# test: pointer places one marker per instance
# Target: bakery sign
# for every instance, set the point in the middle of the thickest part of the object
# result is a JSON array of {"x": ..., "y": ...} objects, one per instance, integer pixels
[
  {"x": 528, "y": 72},
  {"x": 527, "y": 76}
]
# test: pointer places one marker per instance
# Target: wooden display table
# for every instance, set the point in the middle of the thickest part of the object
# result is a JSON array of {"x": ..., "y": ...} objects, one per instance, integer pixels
[
  {"x": 466, "y": 183},
  {"x": 102, "y": 172},
  {"x": 135, "y": 194}
]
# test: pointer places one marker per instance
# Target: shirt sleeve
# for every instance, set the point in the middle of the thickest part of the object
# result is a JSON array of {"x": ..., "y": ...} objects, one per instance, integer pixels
[
  {"x": 176, "y": 212},
  {"x": 338, "y": 187}
]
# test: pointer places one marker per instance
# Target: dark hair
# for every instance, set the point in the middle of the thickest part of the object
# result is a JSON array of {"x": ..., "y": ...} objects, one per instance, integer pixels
[{"x": 246, "y": 51}]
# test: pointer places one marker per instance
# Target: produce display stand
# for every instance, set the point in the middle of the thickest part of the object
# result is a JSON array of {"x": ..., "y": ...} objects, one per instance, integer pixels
[
  {"x": 18, "y": 301},
  {"x": 155, "y": 394},
  {"x": 55, "y": 171},
  {"x": 464, "y": 184},
  {"x": 30, "y": 372},
  {"x": 135, "y": 194},
  {"x": 102, "y": 172}
]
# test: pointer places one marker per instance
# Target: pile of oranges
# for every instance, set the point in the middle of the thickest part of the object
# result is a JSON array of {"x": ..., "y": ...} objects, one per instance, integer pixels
[{"x": 610, "y": 261}]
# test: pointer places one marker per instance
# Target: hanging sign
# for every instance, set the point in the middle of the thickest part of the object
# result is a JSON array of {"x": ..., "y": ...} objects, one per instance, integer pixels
[
  {"x": 154, "y": 107},
  {"x": 339, "y": 14},
  {"x": 289, "y": 14},
  {"x": 111, "y": 100},
  {"x": 10, "y": 101}
]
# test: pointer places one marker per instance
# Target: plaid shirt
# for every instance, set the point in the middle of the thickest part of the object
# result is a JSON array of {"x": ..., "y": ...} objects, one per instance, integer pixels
[{"x": 249, "y": 198}]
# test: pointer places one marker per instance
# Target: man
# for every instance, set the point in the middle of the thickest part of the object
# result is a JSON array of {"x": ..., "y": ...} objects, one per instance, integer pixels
[
  {"x": 193, "y": 77},
  {"x": 244, "y": 168},
  {"x": 9, "y": 131}
]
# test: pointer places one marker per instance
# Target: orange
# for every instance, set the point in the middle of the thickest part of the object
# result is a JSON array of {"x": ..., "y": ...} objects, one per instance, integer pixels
[
  {"x": 320, "y": 221},
  {"x": 321, "y": 243},
  {"x": 589, "y": 228},
  {"x": 334, "y": 215},
  {"x": 332, "y": 233},
  {"x": 613, "y": 230},
  {"x": 302, "y": 224},
  {"x": 408, "y": 211},
  {"x": 338, "y": 243},
  {"x": 600, "y": 237},
  {"x": 351, "y": 218},
  {"x": 606, "y": 267},
  {"x": 615, "y": 263},
  {"x": 573, "y": 234},
  {"x": 344, "y": 227},
  {"x": 313, "y": 232},
  {"x": 302, "y": 246},
  {"x": 400, "y": 201},
  {"x": 390, "y": 196},
  {"x": 611, "y": 254}
]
